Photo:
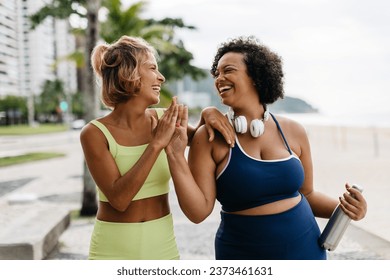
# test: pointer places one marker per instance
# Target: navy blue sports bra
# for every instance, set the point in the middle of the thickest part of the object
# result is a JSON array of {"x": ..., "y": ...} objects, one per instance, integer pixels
[{"x": 247, "y": 182}]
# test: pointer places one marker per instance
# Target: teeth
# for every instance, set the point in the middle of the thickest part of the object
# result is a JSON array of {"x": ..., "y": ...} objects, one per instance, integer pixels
[
  {"x": 156, "y": 88},
  {"x": 224, "y": 88}
]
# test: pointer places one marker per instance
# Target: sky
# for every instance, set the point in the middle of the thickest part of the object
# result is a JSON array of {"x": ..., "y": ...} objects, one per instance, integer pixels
[{"x": 336, "y": 53}]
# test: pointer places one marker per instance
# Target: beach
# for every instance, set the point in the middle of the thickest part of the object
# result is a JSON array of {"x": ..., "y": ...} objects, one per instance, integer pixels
[{"x": 357, "y": 155}]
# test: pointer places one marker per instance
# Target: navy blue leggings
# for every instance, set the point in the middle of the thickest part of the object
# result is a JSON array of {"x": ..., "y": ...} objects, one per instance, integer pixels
[{"x": 290, "y": 235}]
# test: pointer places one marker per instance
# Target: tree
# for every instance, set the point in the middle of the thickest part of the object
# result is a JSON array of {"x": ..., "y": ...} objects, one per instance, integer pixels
[
  {"x": 13, "y": 109},
  {"x": 47, "y": 103},
  {"x": 63, "y": 9},
  {"x": 175, "y": 59},
  {"x": 89, "y": 203}
]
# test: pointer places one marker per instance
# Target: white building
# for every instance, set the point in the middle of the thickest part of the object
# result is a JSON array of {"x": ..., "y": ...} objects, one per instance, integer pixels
[
  {"x": 9, "y": 64},
  {"x": 28, "y": 57}
]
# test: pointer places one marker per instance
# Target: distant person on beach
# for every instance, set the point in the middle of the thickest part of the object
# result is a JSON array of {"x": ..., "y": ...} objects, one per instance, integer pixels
[
  {"x": 265, "y": 182},
  {"x": 124, "y": 151}
]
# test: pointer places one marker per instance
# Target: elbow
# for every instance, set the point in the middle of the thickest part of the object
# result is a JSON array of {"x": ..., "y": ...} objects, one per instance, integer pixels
[
  {"x": 119, "y": 204},
  {"x": 196, "y": 219},
  {"x": 119, "y": 208},
  {"x": 196, "y": 214}
]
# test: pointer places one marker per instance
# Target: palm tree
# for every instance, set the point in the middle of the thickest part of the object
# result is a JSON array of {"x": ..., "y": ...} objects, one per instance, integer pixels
[
  {"x": 63, "y": 9},
  {"x": 89, "y": 203},
  {"x": 175, "y": 59}
]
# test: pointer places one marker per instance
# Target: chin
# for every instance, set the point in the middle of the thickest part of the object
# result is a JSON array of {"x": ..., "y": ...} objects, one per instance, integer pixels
[
  {"x": 157, "y": 100},
  {"x": 224, "y": 102}
]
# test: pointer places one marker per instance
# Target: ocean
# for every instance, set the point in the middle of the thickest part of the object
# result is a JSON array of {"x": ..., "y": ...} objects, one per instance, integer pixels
[
  {"x": 354, "y": 120},
  {"x": 350, "y": 120}
]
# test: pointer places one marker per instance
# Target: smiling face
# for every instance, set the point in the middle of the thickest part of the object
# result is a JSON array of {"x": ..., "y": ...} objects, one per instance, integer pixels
[
  {"x": 232, "y": 80},
  {"x": 151, "y": 79}
]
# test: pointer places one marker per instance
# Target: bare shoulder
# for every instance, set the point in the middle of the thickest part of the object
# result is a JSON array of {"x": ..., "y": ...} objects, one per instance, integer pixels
[
  {"x": 91, "y": 133},
  {"x": 290, "y": 126},
  {"x": 200, "y": 136},
  {"x": 215, "y": 151}
]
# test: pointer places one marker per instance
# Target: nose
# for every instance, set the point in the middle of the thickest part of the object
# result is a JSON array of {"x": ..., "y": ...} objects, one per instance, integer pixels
[
  {"x": 161, "y": 77},
  {"x": 218, "y": 79}
]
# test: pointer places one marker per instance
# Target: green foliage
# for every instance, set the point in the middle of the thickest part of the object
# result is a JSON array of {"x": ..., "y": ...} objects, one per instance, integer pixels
[
  {"x": 177, "y": 64},
  {"x": 14, "y": 109},
  {"x": 77, "y": 105},
  {"x": 61, "y": 9},
  {"x": 175, "y": 60},
  {"x": 121, "y": 22},
  {"x": 51, "y": 96},
  {"x": 11, "y": 102}
]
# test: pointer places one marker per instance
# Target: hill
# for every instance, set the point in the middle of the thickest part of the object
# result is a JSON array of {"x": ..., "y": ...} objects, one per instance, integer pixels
[
  {"x": 292, "y": 105},
  {"x": 206, "y": 86}
]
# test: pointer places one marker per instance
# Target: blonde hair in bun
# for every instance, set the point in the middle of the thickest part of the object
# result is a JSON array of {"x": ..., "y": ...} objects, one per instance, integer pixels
[{"x": 117, "y": 66}]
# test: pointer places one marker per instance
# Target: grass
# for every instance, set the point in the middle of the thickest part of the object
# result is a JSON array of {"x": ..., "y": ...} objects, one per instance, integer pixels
[
  {"x": 30, "y": 130},
  {"x": 23, "y": 130},
  {"x": 7, "y": 161},
  {"x": 75, "y": 215}
]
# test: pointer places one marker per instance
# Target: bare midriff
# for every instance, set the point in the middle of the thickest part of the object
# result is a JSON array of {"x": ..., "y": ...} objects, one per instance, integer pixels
[
  {"x": 270, "y": 208},
  {"x": 139, "y": 211}
]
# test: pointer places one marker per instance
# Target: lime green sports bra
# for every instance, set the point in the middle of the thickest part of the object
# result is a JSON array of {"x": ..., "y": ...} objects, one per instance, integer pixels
[{"x": 157, "y": 182}]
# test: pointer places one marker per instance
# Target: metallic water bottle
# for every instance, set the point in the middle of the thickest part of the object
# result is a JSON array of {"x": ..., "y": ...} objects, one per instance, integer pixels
[{"x": 335, "y": 228}]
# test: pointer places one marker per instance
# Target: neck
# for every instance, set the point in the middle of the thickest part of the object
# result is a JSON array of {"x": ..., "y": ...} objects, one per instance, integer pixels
[
  {"x": 259, "y": 112},
  {"x": 129, "y": 116}
]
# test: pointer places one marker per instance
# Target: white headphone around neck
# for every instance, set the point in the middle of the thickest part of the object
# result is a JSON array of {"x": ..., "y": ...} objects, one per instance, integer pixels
[{"x": 240, "y": 124}]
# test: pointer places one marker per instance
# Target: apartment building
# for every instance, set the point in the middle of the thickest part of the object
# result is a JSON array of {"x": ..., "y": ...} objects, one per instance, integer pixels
[{"x": 28, "y": 57}]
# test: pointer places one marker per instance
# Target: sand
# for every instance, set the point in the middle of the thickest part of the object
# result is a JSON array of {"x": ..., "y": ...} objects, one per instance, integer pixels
[{"x": 358, "y": 155}]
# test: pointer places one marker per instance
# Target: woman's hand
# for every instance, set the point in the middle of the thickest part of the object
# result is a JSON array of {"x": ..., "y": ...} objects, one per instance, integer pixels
[
  {"x": 212, "y": 118},
  {"x": 164, "y": 128},
  {"x": 178, "y": 142},
  {"x": 353, "y": 203}
]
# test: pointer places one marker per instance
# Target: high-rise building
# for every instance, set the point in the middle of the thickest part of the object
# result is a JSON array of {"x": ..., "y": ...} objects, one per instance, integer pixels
[
  {"x": 30, "y": 57},
  {"x": 9, "y": 64}
]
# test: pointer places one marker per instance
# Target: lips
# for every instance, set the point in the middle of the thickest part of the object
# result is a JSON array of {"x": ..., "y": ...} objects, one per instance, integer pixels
[
  {"x": 224, "y": 88},
  {"x": 158, "y": 88}
]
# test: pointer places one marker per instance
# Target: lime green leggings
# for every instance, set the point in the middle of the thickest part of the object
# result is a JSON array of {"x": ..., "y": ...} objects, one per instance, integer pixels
[{"x": 152, "y": 240}]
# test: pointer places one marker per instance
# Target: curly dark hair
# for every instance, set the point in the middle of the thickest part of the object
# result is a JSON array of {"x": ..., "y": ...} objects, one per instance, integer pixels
[{"x": 263, "y": 66}]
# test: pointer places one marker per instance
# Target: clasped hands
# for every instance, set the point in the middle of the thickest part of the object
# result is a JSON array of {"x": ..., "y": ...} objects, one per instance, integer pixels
[{"x": 174, "y": 132}]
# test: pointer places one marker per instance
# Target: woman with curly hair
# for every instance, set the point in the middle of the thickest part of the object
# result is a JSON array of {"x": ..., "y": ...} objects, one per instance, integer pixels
[{"x": 265, "y": 182}]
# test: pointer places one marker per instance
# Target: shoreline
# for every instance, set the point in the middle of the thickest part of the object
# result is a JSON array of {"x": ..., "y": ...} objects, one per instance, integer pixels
[{"x": 380, "y": 120}]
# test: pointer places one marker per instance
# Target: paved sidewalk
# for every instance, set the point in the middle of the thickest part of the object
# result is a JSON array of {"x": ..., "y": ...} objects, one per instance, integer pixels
[
  {"x": 196, "y": 242},
  {"x": 59, "y": 182}
]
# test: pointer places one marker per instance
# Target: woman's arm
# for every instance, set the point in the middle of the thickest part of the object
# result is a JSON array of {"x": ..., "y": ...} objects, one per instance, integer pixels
[
  {"x": 196, "y": 196},
  {"x": 213, "y": 119},
  {"x": 120, "y": 190},
  {"x": 321, "y": 204}
]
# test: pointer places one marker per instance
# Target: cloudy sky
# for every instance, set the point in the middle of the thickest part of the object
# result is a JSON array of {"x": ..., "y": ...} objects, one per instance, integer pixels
[{"x": 336, "y": 53}]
